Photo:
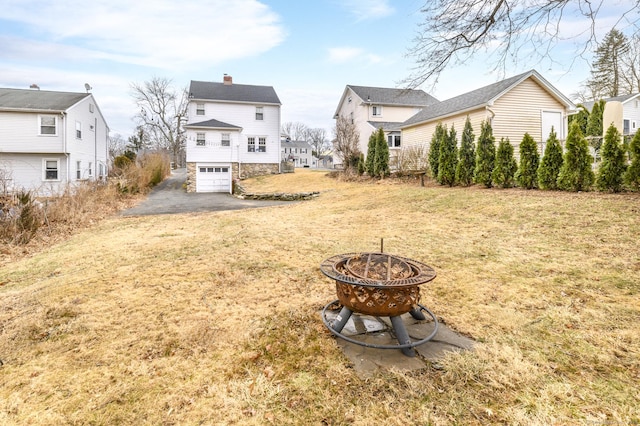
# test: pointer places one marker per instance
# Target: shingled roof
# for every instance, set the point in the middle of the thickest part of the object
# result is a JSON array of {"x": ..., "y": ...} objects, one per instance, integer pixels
[
  {"x": 38, "y": 100},
  {"x": 213, "y": 124},
  {"x": 479, "y": 98},
  {"x": 207, "y": 90},
  {"x": 621, "y": 98},
  {"x": 399, "y": 97}
]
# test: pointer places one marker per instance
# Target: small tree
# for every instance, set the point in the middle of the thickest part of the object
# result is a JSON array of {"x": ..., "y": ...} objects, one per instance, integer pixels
[
  {"x": 361, "y": 165},
  {"x": 527, "y": 174},
  {"x": 632, "y": 175},
  {"x": 576, "y": 173},
  {"x": 551, "y": 163},
  {"x": 505, "y": 167},
  {"x": 582, "y": 117},
  {"x": 346, "y": 142},
  {"x": 612, "y": 168},
  {"x": 371, "y": 154},
  {"x": 448, "y": 159},
  {"x": 594, "y": 122},
  {"x": 467, "y": 156},
  {"x": 381, "y": 161},
  {"x": 434, "y": 148},
  {"x": 485, "y": 155}
]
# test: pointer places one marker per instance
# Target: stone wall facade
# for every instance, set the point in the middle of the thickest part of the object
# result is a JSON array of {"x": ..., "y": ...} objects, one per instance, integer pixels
[{"x": 191, "y": 177}]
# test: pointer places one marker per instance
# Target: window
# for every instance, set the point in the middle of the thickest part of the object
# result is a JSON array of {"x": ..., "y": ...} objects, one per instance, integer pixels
[
  {"x": 259, "y": 113},
  {"x": 349, "y": 99},
  {"x": 351, "y": 117},
  {"x": 90, "y": 168},
  {"x": 78, "y": 169},
  {"x": 51, "y": 169},
  {"x": 377, "y": 111},
  {"x": 48, "y": 125},
  {"x": 251, "y": 145},
  {"x": 90, "y": 107},
  {"x": 78, "y": 130},
  {"x": 226, "y": 140},
  {"x": 262, "y": 144},
  {"x": 199, "y": 109},
  {"x": 393, "y": 141},
  {"x": 200, "y": 139}
]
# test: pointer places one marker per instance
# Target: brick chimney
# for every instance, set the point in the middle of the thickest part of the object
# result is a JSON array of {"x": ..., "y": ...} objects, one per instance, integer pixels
[{"x": 227, "y": 80}]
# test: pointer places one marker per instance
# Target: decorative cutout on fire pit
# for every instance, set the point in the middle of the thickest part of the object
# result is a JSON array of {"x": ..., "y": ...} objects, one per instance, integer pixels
[{"x": 378, "y": 266}]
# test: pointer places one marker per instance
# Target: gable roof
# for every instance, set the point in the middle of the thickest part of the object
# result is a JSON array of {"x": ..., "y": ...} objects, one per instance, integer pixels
[
  {"x": 207, "y": 90},
  {"x": 294, "y": 144},
  {"x": 213, "y": 124},
  {"x": 622, "y": 98},
  {"x": 389, "y": 126},
  {"x": 484, "y": 96},
  {"x": 38, "y": 100},
  {"x": 390, "y": 97}
]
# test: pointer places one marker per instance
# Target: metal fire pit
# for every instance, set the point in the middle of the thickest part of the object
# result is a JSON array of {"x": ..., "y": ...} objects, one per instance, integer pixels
[{"x": 378, "y": 284}]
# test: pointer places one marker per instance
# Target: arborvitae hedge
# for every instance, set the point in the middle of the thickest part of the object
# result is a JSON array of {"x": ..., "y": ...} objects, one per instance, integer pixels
[
  {"x": 371, "y": 154},
  {"x": 448, "y": 159},
  {"x": 527, "y": 174},
  {"x": 612, "y": 167},
  {"x": 381, "y": 161},
  {"x": 576, "y": 173},
  {"x": 467, "y": 156},
  {"x": 632, "y": 175},
  {"x": 361, "y": 165},
  {"x": 582, "y": 117},
  {"x": 505, "y": 166},
  {"x": 434, "y": 150},
  {"x": 594, "y": 122},
  {"x": 485, "y": 155},
  {"x": 551, "y": 163}
]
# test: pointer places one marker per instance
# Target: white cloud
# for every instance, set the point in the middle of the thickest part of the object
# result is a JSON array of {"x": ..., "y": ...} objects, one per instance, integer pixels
[
  {"x": 160, "y": 34},
  {"x": 368, "y": 9}
]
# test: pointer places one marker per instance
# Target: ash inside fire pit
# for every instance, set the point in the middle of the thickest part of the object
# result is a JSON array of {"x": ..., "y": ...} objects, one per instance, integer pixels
[{"x": 378, "y": 266}]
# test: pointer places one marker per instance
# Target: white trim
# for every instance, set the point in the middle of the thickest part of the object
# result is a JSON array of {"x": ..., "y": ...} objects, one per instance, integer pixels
[
  {"x": 44, "y": 170},
  {"x": 56, "y": 121}
]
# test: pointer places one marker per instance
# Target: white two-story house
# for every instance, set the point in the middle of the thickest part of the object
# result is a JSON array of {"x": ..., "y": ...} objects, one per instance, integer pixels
[
  {"x": 232, "y": 132},
  {"x": 49, "y": 140},
  {"x": 371, "y": 108}
]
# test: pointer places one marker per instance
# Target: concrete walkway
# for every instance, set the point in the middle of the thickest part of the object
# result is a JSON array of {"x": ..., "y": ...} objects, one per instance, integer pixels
[{"x": 171, "y": 197}]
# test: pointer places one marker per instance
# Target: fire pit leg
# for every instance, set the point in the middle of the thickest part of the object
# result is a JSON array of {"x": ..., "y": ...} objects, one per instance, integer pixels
[
  {"x": 341, "y": 319},
  {"x": 417, "y": 314},
  {"x": 402, "y": 335}
]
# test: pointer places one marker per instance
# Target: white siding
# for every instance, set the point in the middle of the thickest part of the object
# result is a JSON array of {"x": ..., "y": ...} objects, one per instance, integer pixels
[
  {"x": 19, "y": 132},
  {"x": 631, "y": 112},
  {"x": 26, "y": 171}
]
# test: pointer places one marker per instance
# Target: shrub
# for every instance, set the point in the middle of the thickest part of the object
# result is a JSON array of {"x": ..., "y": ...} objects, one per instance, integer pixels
[
  {"x": 434, "y": 149},
  {"x": 612, "y": 167},
  {"x": 485, "y": 155},
  {"x": 505, "y": 166},
  {"x": 467, "y": 156},
  {"x": 448, "y": 159},
  {"x": 121, "y": 162},
  {"x": 632, "y": 175},
  {"x": 361, "y": 165},
  {"x": 527, "y": 174},
  {"x": 551, "y": 163},
  {"x": 381, "y": 161},
  {"x": 411, "y": 159},
  {"x": 371, "y": 154},
  {"x": 576, "y": 173}
]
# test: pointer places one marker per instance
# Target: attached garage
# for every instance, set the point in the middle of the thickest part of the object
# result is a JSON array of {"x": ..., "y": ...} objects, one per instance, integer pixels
[{"x": 213, "y": 178}]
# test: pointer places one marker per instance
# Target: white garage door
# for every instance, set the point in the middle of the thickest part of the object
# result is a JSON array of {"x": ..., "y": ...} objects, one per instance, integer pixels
[{"x": 213, "y": 179}]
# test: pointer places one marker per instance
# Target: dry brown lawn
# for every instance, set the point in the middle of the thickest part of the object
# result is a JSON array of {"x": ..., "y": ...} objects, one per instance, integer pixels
[{"x": 213, "y": 318}]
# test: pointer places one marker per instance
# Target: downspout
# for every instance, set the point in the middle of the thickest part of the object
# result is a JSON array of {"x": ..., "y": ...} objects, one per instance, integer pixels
[
  {"x": 95, "y": 148},
  {"x": 493, "y": 114},
  {"x": 64, "y": 145}
]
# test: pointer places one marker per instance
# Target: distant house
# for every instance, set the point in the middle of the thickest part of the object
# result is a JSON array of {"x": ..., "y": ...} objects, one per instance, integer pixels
[
  {"x": 233, "y": 132},
  {"x": 525, "y": 103},
  {"x": 49, "y": 140},
  {"x": 299, "y": 152},
  {"x": 630, "y": 112},
  {"x": 370, "y": 108}
]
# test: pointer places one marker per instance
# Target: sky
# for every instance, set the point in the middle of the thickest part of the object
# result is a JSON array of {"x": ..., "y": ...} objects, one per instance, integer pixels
[{"x": 307, "y": 50}]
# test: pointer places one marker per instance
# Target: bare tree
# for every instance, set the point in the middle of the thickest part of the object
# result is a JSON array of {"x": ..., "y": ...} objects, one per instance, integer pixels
[
  {"x": 631, "y": 62},
  {"x": 456, "y": 30},
  {"x": 117, "y": 145},
  {"x": 162, "y": 113},
  {"x": 319, "y": 142},
  {"x": 346, "y": 142},
  {"x": 295, "y": 131}
]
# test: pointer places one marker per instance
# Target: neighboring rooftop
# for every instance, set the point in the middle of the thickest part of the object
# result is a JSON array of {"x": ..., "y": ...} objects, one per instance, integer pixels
[
  {"x": 42, "y": 100},
  {"x": 621, "y": 98},
  {"x": 401, "y": 97},
  {"x": 231, "y": 92}
]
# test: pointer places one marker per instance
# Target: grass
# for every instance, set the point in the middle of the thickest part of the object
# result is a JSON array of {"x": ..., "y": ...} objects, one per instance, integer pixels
[{"x": 213, "y": 318}]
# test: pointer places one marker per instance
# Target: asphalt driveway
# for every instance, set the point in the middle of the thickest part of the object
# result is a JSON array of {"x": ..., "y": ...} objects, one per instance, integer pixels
[{"x": 170, "y": 197}]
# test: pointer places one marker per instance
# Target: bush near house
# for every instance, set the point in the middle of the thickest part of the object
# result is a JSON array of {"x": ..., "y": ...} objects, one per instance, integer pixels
[
  {"x": 381, "y": 160},
  {"x": 612, "y": 167},
  {"x": 485, "y": 155},
  {"x": 448, "y": 158},
  {"x": 632, "y": 175},
  {"x": 371, "y": 154},
  {"x": 467, "y": 156},
  {"x": 551, "y": 163},
  {"x": 434, "y": 149},
  {"x": 505, "y": 166},
  {"x": 576, "y": 173},
  {"x": 527, "y": 174}
]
